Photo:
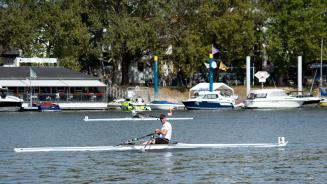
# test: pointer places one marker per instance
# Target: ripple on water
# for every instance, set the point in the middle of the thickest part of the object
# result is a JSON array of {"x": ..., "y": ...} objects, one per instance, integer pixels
[{"x": 304, "y": 160}]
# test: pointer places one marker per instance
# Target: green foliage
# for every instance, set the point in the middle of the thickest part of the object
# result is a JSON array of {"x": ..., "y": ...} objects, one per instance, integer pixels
[
  {"x": 71, "y": 63},
  {"x": 296, "y": 28},
  {"x": 85, "y": 33}
]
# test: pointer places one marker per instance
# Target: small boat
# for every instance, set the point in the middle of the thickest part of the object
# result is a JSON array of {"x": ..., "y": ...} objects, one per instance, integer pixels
[
  {"x": 9, "y": 103},
  {"x": 164, "y": 105},
  {"x": 271, "y": 98},
  {"x": 137, "y": 106},
  {"x": 222, "y": 97},
  {"x": 48, "y": 107},
  {"x": 141, "y": 147}
]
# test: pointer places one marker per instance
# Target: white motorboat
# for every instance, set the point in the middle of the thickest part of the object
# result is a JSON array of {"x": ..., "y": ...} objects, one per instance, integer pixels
[
  {"x": 9, "y": 102},
  {"x": 141, "y": 147},
  {"x": 271, "y": 98},
  {"x": 222, "y": 97}
]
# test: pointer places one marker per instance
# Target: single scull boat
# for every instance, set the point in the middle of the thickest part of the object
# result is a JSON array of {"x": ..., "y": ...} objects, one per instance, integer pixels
[
  {"x": 133, "y": 119},
  {"x": 281, "y": 143}
]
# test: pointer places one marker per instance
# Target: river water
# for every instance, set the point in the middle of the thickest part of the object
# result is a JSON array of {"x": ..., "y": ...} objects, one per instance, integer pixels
[{"x": 303, "y": 160}]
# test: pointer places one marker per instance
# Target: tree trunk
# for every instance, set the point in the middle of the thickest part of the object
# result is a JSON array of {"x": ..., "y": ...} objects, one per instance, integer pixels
[{"x": 126, "y": 61}]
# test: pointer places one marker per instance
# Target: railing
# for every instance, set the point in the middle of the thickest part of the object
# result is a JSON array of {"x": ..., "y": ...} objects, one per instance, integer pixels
[
  {"x": 66, "y": 97},
  {"x": 117, "y": 92}
]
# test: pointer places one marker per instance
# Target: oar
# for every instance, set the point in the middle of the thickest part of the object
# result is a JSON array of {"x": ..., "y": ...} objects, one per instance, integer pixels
[{"x": 135, "y": 139}]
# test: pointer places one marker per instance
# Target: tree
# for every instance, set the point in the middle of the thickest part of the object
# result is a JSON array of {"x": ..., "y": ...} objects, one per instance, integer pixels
[{"x": 295, "y": 28}]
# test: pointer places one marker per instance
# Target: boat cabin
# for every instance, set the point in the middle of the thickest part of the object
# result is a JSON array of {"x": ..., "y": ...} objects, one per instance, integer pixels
[{"x": 264, "y": 93}]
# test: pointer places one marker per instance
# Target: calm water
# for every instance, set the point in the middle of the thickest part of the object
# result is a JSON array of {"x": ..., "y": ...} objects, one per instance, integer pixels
[{"x": 304, "y": 160}]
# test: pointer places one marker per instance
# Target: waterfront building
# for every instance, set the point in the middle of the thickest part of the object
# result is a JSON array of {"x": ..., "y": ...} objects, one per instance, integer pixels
[{"x": 69, "y": 89}]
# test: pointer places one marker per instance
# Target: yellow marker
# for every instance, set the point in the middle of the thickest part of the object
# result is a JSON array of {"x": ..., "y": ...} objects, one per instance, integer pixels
[
  {"x": 210, "y": 56},
  {"x": 155, "y": 58}
]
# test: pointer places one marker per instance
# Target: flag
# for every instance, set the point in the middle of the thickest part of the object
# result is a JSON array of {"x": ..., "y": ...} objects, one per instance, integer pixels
[
  {"x": 214, "y": 50},
  {"x": 222, "y": 66},
  {"x": 32, "y": 74}
]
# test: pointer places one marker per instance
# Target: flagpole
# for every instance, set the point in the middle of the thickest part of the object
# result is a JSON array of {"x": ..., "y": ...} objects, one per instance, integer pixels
[
  {"x": 210, "y": 72},
  {"x": 155, "y": 77},
  {"x": 31, "y": 103}
]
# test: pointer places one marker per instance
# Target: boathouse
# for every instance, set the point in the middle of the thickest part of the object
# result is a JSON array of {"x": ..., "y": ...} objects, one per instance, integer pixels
[{"x": 68, "y": 88}]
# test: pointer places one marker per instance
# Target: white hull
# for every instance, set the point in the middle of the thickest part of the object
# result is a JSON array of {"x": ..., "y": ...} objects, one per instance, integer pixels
[
  {"x": 133, "y": 119},
  {"x": 147, "y": 147},
  {"x": 271, "y": 99},
  {"x": 273, "y": 104},
  {"x": 9, "y": 103},
  {"x": 10, "y": 109}
]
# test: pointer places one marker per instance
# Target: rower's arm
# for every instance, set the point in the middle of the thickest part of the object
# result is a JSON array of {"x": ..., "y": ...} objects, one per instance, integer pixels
[{"x": 163, "y": 132}]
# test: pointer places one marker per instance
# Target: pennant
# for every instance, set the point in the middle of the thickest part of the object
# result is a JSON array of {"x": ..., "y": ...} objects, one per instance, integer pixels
[
  {"x": 214, "y": 50},
  {"x": 222, "y": 66}
]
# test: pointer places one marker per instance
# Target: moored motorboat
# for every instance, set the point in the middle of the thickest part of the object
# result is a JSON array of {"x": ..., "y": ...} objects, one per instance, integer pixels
[
  {"x": 9, "y": 103},
  {"x": 222, "y": 97},
  {"x": 271, "y": 98}
]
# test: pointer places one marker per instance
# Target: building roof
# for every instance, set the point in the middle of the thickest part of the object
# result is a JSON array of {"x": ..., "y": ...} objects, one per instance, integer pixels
[
  {"x": 51, "y": 83},
  {"x": 55, "y": 73}
]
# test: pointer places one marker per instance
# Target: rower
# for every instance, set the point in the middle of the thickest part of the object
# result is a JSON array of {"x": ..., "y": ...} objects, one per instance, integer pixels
[{"x": 164, "y": 133}]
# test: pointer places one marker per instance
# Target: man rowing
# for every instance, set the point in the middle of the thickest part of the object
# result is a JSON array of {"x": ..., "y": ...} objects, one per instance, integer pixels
[{"x": 164, "y": 133}]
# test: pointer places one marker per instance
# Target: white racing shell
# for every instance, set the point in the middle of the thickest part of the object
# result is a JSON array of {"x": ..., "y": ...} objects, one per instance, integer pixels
[{"x": 151, "y": 147}]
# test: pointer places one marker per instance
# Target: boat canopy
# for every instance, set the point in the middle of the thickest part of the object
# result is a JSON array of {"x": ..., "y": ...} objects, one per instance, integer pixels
[{"x": 215, "y": 86}]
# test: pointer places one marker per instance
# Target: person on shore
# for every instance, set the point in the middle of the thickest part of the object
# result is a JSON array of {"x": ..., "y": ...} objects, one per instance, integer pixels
[{"x": 164, "y": 133}]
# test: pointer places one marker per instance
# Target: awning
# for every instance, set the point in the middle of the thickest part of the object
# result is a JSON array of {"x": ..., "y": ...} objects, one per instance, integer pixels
[
  {"x": 51, "y": 83},
  {"x": 45, "y": 83},
  {"x": 12, "y": 83},
  {"x": 83, "y": 83}
]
